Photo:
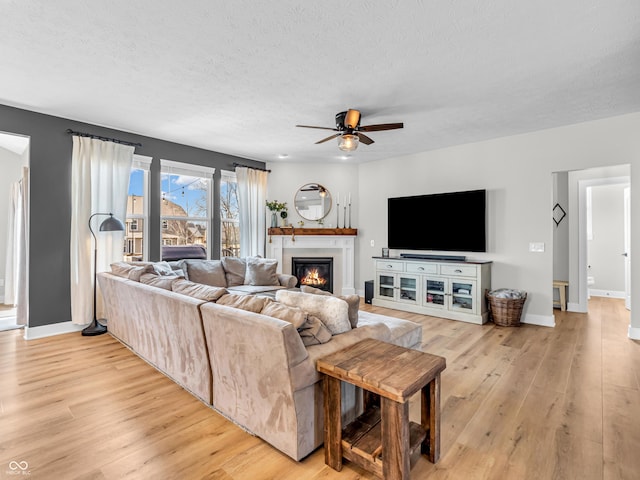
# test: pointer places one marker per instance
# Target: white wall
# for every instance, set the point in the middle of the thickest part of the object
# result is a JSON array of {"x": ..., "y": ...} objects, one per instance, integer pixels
[
  {"x": 517, "y": 174},
  {"x": 605, "y": 248},
  {"x": 10, "y": 171}
]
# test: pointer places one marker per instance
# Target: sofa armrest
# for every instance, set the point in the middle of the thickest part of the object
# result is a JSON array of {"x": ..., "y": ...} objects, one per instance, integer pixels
[{"x": 287, "y": 280}]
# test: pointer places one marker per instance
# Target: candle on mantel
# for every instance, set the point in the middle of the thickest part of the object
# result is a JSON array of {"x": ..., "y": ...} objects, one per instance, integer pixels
[
  {"x": 338, "y": 198},
  {"x": 349, "y": 198}
]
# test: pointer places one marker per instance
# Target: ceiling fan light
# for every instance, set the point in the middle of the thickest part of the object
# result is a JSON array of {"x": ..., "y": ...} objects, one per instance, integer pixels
[{"x": 348, "y": 142}]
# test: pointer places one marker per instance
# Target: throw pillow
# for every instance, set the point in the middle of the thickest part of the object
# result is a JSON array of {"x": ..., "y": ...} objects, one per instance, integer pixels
[
  {"x": 163, "y": 268},
  {"x": 132, "y": 272},
  {"x": 313, "y": 332},
  {"x": 234, "y": 270},
  {"x": 332, "y": 311},
  {"x": 207, "y": 272},
  {"x": 261, "y": 271},
  {"x": 289, "y": 314},
  {"x": 244, "y": 302},
  {"x": 160, "y": 281},
  {"x": 198, "y": 290},
  {"x": 353, "y": 301}
]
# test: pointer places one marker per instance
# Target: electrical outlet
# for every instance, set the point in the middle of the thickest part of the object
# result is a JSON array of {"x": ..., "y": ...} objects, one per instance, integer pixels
[
  {"x": 537, "y": 247},
  {"x": 373, "y": 243}
]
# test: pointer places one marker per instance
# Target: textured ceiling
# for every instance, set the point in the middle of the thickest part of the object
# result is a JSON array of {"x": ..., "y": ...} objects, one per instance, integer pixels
[{"x": 237, "y": 76}]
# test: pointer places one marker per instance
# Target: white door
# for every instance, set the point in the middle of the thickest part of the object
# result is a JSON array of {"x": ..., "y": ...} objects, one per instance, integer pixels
[{"x": 627, "y": 249}]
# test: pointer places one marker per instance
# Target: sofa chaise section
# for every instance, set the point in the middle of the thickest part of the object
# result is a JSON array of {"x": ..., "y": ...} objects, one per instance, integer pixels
[{"x": 162, "y": 327}]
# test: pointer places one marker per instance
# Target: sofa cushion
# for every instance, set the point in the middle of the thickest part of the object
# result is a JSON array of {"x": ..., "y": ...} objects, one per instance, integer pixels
[
  {"x": 255, "y": 289},
  {"x": 261, "y": 271},
  {"x": 234, "y": 270},
  {"x": 314, "y": 332},
  {"x": 287, "y": 313},
  {"x": 332, "y": 311},
  {"x": 244, "y": 302},
  {"x": 198, "y": 290},
  {"x": 208, "y": 272},
  {"x": 160, "y": 281},
  {"x": 127, "y": 270},
  {"x": 353, "y": 301}
]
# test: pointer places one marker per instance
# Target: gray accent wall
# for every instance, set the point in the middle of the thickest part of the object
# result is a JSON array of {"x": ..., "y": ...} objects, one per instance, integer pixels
[{"x": 50, "y": 188}]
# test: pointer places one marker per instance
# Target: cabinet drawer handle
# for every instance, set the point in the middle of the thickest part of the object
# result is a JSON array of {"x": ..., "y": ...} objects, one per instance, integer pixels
[
  {"x": 420, "y": 268},
  {"x": 457, "y": 270},
  {"x": 389, "y": 266}
]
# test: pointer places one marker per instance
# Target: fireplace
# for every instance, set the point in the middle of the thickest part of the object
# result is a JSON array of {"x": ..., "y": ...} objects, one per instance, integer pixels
[{"x": 313, "y": 271}]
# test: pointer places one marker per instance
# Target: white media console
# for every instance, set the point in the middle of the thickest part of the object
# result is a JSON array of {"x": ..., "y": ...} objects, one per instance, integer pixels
[{"x": 436, "y": 286}]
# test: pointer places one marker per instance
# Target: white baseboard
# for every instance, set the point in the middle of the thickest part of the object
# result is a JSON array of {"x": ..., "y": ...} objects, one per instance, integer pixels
[
  {"x": 542, "y": 320},
  {"x": 575, "y": 307},
  {"x": 634, "y": 333},
  {"x": 605, "y": 293},
  {"x": 31, "y": 333}
]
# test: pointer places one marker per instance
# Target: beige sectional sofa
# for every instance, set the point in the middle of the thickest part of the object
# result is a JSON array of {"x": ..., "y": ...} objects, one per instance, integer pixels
[{"x": 256, "y": 369}]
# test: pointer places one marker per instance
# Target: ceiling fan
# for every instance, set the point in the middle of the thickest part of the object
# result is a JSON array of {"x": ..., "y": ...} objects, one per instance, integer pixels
[{"x": 350, "y": 131}]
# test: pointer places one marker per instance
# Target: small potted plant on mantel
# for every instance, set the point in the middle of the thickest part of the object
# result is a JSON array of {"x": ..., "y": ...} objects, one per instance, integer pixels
[{"x": 275, "y": 207}]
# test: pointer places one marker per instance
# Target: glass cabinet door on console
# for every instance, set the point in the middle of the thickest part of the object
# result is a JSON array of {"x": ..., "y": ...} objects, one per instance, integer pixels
[
  {"x": 397, "y": 287},
  {"x": 385, "y": 286},
  {"x": 435, "y": 292},
  {"x": 463, "y": 296},
  {"x": 407, "y": 288}
]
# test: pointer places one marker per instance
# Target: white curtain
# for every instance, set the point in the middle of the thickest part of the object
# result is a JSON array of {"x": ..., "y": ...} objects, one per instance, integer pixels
[
  {"x": 252, "y": 198},
  {"x": 99, "y": 183},
  {"x": 16, "y": 267}
]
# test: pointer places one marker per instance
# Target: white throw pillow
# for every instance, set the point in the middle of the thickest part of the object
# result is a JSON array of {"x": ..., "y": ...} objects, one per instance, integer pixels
[{"x": 331, "y": 311}]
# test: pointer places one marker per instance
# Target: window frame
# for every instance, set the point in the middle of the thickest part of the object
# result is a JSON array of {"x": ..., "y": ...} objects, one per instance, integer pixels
[
  {"x": 172, "y": 167},
  {"x": 141, "y": 162},
  {"x": 228, "y": 176}
]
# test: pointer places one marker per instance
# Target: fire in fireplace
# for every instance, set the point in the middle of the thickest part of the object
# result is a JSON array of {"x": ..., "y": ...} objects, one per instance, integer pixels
[{"x": 314, "y": 272}]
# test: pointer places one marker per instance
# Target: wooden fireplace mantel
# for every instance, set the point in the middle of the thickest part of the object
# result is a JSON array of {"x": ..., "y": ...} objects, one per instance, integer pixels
[{"x": 312, "y": 231}]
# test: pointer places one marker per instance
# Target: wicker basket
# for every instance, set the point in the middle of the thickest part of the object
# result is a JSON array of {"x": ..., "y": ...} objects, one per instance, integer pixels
[{"x": 505, "y": 312}]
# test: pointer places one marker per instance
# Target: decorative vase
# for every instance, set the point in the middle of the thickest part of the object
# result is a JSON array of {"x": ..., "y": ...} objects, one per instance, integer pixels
[{"x": 274, "y": 219}]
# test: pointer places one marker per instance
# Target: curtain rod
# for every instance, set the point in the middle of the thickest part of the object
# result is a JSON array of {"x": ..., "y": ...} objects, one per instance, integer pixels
[
  {"x": 90, "y": 135},
  {"x": 254, "y": 168}
]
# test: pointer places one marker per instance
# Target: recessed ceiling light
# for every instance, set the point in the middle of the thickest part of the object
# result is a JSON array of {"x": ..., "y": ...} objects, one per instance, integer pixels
[{"x": 283, "y": 155}]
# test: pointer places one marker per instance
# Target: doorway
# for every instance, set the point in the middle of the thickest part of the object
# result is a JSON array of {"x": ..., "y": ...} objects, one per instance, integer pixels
[
  {"x": 571, "y": 246},
  {"x": 14, "y": 214}
]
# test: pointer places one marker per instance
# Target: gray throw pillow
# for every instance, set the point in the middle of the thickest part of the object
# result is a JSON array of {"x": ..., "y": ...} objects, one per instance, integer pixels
[
  {"x": 261, "y": 271},
  {"x": 313, "y": 332},
  {"x": 234, "y": 269},
  {"x": 289, "y": 314},
  {"x": 207, "y": 272}
]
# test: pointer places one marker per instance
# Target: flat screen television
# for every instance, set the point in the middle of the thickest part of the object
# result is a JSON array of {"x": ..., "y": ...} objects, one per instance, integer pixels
[{"x": 451, "y": 222}]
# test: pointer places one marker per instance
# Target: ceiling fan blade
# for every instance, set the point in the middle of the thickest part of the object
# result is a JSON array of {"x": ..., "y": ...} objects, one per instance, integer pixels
[
  {"x": 328, "y": 138},
  {"x": 352, "y": 119},
  {"x": 321, "y": 128},
  {"x": 380, "y": 127},
  {"x": 364, "y": 139}
]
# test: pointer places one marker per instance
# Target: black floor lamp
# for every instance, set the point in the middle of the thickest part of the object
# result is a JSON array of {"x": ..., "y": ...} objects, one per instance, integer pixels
[{"x": 111, "y": 224}]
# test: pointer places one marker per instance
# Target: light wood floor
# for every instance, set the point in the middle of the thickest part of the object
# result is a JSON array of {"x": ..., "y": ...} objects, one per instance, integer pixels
[{"x": 517, "y": 403}]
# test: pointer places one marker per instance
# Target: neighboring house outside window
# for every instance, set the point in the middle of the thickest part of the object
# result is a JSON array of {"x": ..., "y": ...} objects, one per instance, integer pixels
[
  {"x": 136, "y": 240},
  {"x": 185, "y": 208},
  {"x": 229, "y": 215}
]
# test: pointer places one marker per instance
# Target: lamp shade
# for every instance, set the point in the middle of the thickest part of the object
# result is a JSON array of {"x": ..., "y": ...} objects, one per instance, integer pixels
[{"x": 111, "y": 224}]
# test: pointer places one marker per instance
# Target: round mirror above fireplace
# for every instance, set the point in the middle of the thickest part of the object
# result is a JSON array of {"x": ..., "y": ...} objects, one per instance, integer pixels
[{"x": 313, "y": 201}]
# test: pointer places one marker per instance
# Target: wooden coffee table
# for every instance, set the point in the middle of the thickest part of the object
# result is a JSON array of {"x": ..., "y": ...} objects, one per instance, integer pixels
[{"x": 382, "y": 440}]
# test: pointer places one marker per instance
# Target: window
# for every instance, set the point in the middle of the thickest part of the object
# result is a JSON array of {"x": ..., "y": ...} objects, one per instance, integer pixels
[
  {"x": 229, "y": 215},
  {"x": 185, "y": 208},
  {"x": 136, "y": 240}
]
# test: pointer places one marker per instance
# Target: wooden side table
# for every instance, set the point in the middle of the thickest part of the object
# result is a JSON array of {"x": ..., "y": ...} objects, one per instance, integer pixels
[{"x": 382, "y": 440}]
